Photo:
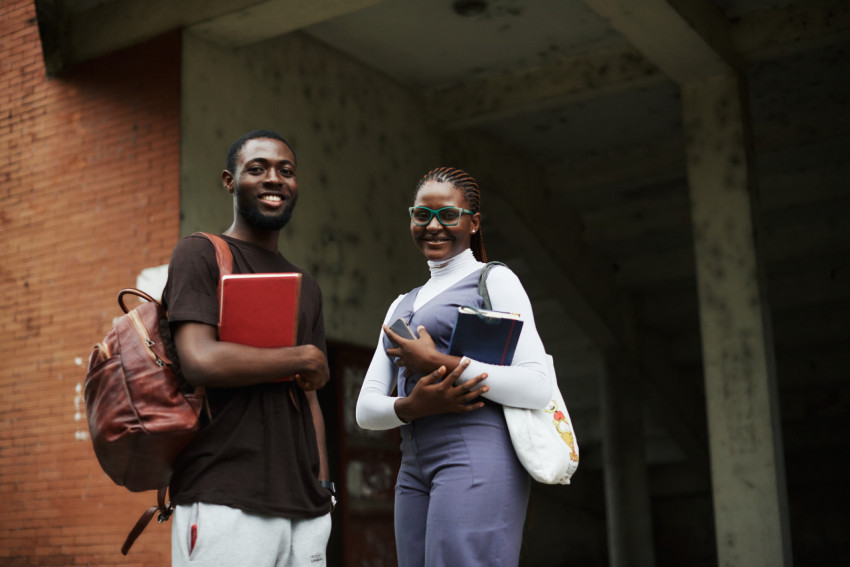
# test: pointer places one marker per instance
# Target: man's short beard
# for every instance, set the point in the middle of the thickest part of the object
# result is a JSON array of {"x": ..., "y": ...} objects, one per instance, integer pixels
[{"x": 264, "y": 222}]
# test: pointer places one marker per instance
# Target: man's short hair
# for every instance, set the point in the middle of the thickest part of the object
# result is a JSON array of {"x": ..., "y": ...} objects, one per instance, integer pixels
[{"x": 236, "y": 147}]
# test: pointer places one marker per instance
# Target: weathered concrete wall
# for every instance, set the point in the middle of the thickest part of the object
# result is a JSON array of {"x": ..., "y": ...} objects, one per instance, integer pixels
[{"x": 361, "y": 143}]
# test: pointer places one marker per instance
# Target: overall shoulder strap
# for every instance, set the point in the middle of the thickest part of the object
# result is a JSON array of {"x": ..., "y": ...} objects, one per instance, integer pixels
[{"x": 482, "y": 283}]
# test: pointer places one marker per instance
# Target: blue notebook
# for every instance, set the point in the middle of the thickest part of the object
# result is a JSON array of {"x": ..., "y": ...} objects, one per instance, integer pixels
[{"x": 485, "y": 336}]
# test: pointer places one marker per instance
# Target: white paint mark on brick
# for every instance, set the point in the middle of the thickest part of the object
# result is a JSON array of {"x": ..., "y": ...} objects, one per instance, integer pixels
[{"x": 79, "y": 412}]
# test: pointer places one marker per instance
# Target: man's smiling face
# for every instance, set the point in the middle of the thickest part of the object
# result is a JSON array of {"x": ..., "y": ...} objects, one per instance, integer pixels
[{"x": 264, "y": 184}]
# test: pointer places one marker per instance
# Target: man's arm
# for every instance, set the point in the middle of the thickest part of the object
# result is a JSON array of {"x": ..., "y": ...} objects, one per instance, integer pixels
[
  {"x": 319, "y": 426},
  {"x": 206, "y": 361}
]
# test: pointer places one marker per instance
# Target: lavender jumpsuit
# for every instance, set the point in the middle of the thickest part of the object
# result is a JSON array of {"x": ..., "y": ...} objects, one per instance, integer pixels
[{"x": 461, "y": 494}]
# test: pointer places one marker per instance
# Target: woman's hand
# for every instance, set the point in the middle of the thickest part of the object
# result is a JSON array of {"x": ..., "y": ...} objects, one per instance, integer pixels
[
  {"x": 416, "y": 356},
  {"x": 434, "y": 394}
]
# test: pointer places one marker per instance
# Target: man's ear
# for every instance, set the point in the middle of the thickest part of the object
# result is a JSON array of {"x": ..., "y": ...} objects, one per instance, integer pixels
[{"x": 227, "y": 180}]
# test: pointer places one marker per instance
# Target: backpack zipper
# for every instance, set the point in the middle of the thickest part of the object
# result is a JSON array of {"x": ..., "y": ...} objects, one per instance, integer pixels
[
  {"x": 143, "y": 333},
  {"x": 103, "y": 351}
]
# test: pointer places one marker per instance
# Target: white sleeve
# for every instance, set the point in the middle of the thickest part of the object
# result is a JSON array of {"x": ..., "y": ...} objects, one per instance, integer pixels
[
  {"x": 526, "y": 382},
  {"x": 375, "y": 405}
]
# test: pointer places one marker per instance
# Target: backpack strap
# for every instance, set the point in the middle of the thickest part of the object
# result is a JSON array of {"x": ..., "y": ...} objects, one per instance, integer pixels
[
  {"x": 482, "y": 283},
  {"x": 164, "y": 510},
  {"x": 223, "y": 256}
]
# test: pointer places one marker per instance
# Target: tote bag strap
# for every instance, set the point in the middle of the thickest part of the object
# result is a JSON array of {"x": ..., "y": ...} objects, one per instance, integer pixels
[{"x": 482, "y": 283}]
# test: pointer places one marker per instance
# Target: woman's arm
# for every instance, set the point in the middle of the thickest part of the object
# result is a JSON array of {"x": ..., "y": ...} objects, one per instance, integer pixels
[
  {"x": 377, "y": 409},
  {"x": 526, "y": 382},
  {"x": 375, "y": 405}
]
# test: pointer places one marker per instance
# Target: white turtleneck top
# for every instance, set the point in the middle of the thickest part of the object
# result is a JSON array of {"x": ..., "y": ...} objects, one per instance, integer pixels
[{"x": 525, "y": 383}]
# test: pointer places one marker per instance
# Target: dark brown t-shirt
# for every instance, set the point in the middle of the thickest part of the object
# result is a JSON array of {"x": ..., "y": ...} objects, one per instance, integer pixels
[{"x": 259, "y": 452}]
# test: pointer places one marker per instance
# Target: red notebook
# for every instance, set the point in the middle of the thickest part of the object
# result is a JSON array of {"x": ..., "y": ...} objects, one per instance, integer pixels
[{"x": 260, "y": 309}]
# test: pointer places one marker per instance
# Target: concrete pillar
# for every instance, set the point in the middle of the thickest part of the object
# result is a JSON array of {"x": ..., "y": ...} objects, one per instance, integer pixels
[
  {"x": 627, "y": 502},
  {"x": 747, "y": 462}
]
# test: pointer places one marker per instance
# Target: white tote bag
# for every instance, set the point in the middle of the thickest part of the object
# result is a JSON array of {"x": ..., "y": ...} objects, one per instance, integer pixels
[{"x": 544, "y": 440}]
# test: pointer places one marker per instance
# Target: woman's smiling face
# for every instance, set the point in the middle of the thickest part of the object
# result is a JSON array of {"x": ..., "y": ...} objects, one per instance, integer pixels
[{"x": 435, "y": 241}]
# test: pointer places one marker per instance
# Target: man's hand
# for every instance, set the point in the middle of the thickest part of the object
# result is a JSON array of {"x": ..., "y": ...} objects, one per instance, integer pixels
[
  {"x": 317, "y": 373},
  {"x": 434, "y": 394}
]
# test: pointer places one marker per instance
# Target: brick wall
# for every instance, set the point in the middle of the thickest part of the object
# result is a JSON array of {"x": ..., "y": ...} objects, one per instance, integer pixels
[{"x": 89, "y": 190}]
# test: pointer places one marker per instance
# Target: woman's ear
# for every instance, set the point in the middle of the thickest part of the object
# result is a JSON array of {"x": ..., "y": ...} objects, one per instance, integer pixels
[{"x": 476, "y": 222}]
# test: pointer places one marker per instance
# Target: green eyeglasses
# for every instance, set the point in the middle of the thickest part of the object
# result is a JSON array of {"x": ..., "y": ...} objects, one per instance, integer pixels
[{"x": 447, "y": 216}]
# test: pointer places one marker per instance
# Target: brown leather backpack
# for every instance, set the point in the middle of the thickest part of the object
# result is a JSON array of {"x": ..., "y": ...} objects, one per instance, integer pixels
[{"x": 141, "y": 413}]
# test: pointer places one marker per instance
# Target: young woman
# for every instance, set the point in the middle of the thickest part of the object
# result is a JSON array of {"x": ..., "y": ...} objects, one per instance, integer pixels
[{"x": 461, "y": 493}]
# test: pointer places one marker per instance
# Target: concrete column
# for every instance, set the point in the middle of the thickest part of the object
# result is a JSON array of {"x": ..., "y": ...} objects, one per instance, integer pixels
[
  {"x": 747, "y": 462},
  {"x": 627, "y": 501}
]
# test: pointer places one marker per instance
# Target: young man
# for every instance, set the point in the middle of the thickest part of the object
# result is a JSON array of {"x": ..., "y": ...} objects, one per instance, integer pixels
[{"x": 252, "y": 488}]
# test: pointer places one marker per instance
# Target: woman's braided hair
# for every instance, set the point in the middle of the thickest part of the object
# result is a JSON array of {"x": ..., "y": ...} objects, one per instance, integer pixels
[{"x": 462, "y": 181}]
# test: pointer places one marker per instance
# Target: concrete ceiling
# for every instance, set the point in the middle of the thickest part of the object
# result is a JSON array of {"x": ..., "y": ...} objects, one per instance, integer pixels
[{"x": 554, "y": 77}]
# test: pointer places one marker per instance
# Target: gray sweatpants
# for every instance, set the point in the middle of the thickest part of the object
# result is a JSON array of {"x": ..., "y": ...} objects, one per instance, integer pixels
[{"x": 227, "y": 537}]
